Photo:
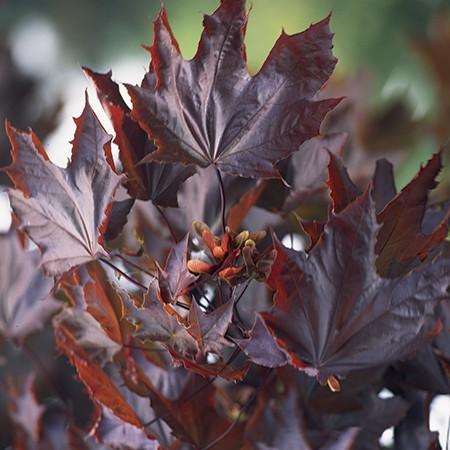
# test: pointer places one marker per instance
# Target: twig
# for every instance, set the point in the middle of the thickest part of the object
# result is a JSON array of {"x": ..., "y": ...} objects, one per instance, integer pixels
[
  {"x": 132, "y": 264},
  {"x": 222, "y": 198},
  {"x": 167, "y": 222},
  {"x": 235, "y": 306},
  {"x": 125, "y": 275},
  {"x": 246, "y": 405}
]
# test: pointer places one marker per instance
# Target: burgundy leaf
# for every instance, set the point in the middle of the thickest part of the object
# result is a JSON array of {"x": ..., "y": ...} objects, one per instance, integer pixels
[
  {"x": 100, "y": 387},
  {"x": 209, "y": 110},
  {"x": 154, "y": 323},
  {"x": 94, "y": 319},
  {"x": 281, "y": 427},
  {"x": 384, "y": 189},
  {"x": 64, "y": 211},
  {"x": 26, "y": 302},
  {"x": 342, "y": 189},
  {"x": 117, "y": 433},
  {"x": 175, "y": 277},
  {"x": 152, "y": 181},
  {"x": 261, "y": 348},
  {"x": 400, "y": 238},
  {"x": 209, "y": 329},
  {"x": 309, "y": 166},
  {"x": 333, "y": 313}
]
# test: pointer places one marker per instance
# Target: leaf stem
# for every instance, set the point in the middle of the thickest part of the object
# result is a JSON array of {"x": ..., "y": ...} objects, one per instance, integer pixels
[
  {"x": 167, "y": 222},
  {"x": 132, "y": 264},
  {"x": 222, "y": 199},
  {"x": 124, "y": 274}
]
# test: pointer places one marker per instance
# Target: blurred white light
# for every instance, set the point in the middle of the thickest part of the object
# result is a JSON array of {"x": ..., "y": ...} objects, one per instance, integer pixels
[
  {"x": 294, "y": 241},
  {"x": 5, "y": 212},
  {"x": 387, "y": 438},
  {"x": 34, "y": 46},
  {"x": 385, "y": 393},
  {"x": 440, "y": 417}
]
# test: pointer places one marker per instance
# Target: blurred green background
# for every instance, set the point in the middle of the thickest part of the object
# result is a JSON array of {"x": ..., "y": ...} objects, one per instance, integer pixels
[
  {"x": 369, "y": 33},
  {"x": 49, "y": 40}
]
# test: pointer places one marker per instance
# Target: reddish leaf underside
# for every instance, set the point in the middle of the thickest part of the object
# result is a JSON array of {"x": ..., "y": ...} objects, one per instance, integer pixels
[
  {"x": 64, "y": 211},
  {"x": 209, "y": 110},
  {"x": 99, "y": 386}
]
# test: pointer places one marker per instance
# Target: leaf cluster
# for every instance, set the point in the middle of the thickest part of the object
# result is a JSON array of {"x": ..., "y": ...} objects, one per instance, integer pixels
[{"x": 168, "y": 289}]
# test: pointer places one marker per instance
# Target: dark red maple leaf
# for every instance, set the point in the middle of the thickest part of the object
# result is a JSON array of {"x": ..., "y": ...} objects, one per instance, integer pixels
[
  {"x": 400, "y": 238},
  {"x": 116, "y": 433},
  {"x": 26, "y": 300},
  {"x": 95, "y": 316},
  {"x": 100, "y": 387},
  {"x": 261, "y": 348},
  {"x": 280, "y": 426},
  {"x": 64, "y": 211},
  {"x": 209, "y": 110},
  {"x": 152, "y": 181},
  {"x": 333, "y": 313},
  {"x": 175, "y": 277},
  {"x": 209, "y": 329},
  {"x": 154, "y": 323}
]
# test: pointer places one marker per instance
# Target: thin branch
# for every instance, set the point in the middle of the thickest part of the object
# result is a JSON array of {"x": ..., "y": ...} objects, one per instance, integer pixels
[
  {"x": 235, "y": 306},
  {"x": 132, "y": 264},
  {"x": 246, "y": 405},
  {"x": 167, "y": 222},
  {"x": 124, "y": 274},
  {"x": 222, "y": 199}
]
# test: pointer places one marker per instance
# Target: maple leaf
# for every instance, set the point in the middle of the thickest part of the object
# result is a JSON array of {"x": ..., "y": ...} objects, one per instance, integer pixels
[
  {"x": 333, "y": 313},
  {"x": 64, "y": 211},
  {"x": 152, "y": 181},
  {"x": 116, "y": 433},
  {"x": 261, "y": 348},
  {"x": 400, "y": 238},
  {"x": 384, "y": 189},
  {"x": 95, "y": 317},
  {"x": 100, "y": 387},
  {"x": 209, "y": 110},
  {"x": 193, "y": 415},
  {"x": 155, "y": 324},
  {"x": 175, "y": 277},
  {"x": 282, "y": 428},
  {"x": 342, "y": 189},
  {"x": 307, "y": 171},
  {"x": 26, "y": 301},
  {"x": 209, "y": 329}
]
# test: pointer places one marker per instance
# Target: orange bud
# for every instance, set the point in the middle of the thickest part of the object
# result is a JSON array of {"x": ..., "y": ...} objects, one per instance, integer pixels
[
  {"x": 333, "y": 383},
  {"x": 209, "y": 239},
  {"x": 198, "y": 266},
  {"x": 218, "y": 252},
  {"x": 229, "y": 272}
]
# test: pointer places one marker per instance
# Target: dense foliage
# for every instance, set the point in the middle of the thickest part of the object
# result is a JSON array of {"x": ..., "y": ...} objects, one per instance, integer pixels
[{"x": 186, "y": 319}]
